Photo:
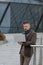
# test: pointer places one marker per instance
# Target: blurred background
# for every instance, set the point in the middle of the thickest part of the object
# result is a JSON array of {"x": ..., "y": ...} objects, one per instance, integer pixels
[{"x": 12, "y": 15}]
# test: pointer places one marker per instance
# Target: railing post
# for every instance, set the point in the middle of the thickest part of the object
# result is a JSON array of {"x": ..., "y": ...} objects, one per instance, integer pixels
[
  {"x": 40, "y": 59},
  {"x": 34, "y": 51}
]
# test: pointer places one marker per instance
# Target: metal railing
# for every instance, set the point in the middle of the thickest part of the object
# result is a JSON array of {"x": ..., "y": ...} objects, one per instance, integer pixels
[{"x": 34, "y": 51}]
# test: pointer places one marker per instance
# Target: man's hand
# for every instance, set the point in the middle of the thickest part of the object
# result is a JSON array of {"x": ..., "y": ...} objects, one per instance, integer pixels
[{"x": 20, "y": 43}]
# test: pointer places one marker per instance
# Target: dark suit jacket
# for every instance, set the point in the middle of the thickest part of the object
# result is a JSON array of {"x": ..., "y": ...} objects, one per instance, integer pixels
[{"x": 31, "y": 40}]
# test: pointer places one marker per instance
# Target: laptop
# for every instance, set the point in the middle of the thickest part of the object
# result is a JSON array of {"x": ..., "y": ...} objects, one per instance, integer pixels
[{"x": 19, "y": 37}]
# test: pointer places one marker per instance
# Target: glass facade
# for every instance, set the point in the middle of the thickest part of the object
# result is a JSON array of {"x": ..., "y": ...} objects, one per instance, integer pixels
[
  {"x": 22, "y": 12},
  {"x": 14, "y": 14},
  {"x": 4, "y": 17}
]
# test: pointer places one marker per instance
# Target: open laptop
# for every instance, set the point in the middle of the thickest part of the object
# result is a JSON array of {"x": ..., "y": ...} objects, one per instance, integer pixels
[{"x": 19, "y": 37}]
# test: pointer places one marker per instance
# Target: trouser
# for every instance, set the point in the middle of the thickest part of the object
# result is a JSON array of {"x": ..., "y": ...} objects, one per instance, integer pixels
[{"x": 24, "y": 60}]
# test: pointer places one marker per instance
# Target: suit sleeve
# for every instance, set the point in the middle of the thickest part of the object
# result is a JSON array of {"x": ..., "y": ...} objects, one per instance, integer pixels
[{"x": 31, "y": 42}]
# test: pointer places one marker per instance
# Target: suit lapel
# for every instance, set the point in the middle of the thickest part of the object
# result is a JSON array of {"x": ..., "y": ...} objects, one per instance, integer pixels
[{"x": 29, "y": 35}]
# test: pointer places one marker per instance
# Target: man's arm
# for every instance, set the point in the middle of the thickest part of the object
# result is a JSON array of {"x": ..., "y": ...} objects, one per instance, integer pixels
[{"x": 32, "y": 41}]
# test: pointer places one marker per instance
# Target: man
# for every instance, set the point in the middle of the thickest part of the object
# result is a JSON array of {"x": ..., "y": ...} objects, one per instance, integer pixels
[{"x": 26, "y": 50}]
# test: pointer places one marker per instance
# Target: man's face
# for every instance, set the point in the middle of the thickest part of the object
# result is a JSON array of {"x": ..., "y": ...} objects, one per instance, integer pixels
[{"x": 26, "y": 26}]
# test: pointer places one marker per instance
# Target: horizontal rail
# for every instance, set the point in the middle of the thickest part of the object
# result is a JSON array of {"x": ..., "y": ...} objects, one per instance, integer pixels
[{"x": 36, "y": 46}]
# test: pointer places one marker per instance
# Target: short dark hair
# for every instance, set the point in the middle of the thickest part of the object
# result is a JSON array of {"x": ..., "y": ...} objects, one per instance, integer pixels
[{"x": 25, "y": 22}]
